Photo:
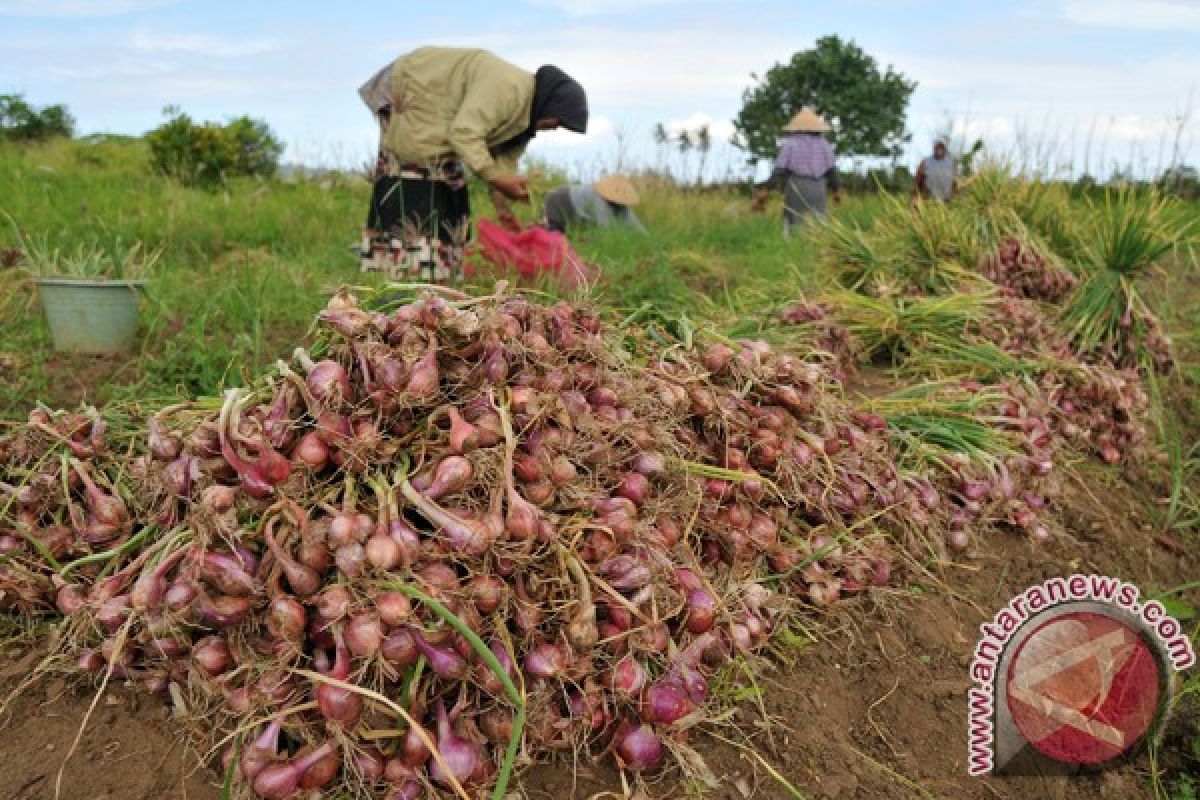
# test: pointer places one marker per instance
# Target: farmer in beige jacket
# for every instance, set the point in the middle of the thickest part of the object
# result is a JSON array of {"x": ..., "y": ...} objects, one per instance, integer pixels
[{"x": 441, "y": 109}]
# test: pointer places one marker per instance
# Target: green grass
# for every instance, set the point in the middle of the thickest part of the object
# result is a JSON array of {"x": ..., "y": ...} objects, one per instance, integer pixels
[
  {"x": 240, "y": 274},
  {"x": 243, "y": 268}
]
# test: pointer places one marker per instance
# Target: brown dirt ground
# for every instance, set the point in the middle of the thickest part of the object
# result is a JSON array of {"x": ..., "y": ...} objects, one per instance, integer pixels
[{"x": 875, "y": 709}]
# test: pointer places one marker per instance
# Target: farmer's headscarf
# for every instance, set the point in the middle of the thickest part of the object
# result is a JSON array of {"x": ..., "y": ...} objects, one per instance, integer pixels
[{"x": 555, "y": 94}]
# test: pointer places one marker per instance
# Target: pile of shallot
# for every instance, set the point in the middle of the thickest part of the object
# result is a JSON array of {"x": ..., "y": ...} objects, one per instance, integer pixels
[
  {"x": 453, "y": 537},
  {"x": 1020, "y": 266},
  {"x": 828, "y": 336}
]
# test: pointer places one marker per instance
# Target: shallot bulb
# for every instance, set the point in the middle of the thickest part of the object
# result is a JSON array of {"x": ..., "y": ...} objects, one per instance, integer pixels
[
  {"x": 445, "y": 662},
  {"x": 460, "y": 756},
  {"x": 302, "y": 578},
  {"x": 280, "y": 781},
  {"x": 339, "y": 706},
  {"x": 639, "y": 748},
  {"x": 364, "y": 634},
  {"x": 261, "y": 752},
  {"x": 546, "y": 660},
  {"x": 452, "y": 475},
  {"x": 327, "y": 380},
  {"x": 628, "y": 677},
  {"x": 666, "y": 702},
  {"x": 394, "y": 608}
]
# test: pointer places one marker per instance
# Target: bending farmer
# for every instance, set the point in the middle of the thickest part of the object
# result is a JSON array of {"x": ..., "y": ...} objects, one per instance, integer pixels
[{"x": 442, "y": 110}]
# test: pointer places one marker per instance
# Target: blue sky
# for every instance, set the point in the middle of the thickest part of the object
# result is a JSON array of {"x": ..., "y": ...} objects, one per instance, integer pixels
[{"x": 1031, "y": 76}]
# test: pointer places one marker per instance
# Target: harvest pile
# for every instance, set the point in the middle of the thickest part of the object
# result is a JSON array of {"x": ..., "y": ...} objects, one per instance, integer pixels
[
  {"x": 1016, "y": 289},
  {"x": 456, "y": 536},
  {"x": 1020, "y": 267},
  {"x": 452, "y": 522}
]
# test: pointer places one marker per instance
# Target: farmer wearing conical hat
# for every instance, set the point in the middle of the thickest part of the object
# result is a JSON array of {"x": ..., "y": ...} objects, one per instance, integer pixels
[
  {"x": 608, "y": 201},
  {"x": 805, "y": 166},
  {"x": 441, "y": 111}
]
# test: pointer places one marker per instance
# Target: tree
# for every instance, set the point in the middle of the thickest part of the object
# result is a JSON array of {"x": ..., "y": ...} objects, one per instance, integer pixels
[
  {"x": 22, "y": 122},
  {"x": 207, "y": 154},
  {"x": 865, "y": 107}
]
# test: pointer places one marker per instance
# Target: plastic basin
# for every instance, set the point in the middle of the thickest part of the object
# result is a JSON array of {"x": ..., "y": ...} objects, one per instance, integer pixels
[{"x": 88, "y": 316}]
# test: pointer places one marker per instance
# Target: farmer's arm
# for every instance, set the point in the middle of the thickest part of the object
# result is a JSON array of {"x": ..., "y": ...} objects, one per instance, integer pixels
[
  {"x": 834, "y": 182},
  {"x": 919, "y": 184},
  {"x": 481, "y": 113},
  {"x": 762, "y": 191},
  {"x": 505, "y": 164}
]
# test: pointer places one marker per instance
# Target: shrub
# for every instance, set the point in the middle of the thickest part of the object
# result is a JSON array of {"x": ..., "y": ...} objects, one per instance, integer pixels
[
  {"x": 20, "y": 121},
  {"x": 1182, "y": 181},
  {"x": 205, "y": 154}
]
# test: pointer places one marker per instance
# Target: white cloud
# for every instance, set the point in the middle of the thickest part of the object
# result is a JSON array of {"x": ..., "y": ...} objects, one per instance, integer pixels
[
  {"x": 672, "y": 70},
  {"x": 1146, "y": 15},
  {"x": 77, "y": 8},
  {"x": 721, "y": 130},
  {"x": 601, "y": 131},
  {"x": 994, "y": 128},
  {"x": 120, "y": 68},
  {"x": 201, "y": 44},
  {"x": 1135, "y": 127}
]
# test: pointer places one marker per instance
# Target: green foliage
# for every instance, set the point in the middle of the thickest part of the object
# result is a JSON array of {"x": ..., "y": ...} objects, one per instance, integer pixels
[
  {"x": 90, "y": 261},
  {"x": 865, "y": 107},
  {"x": 900, "y": 327},
  {"x": 205, "y": 154},
  {"x": 931, "y": 423},
  {"x": 930, "y": 247},
  {"x": 21, "y": 122},
  {"x": 87, "y": 261},
  {"x": 1127, "y": 235}
]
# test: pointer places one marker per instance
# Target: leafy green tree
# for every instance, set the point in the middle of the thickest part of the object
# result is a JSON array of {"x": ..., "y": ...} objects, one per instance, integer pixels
[
  {"x": 256, "y": 150},
  {"x": 865, "y": 107},
  {"x": 206, "y": 154},
  {"x": 19, "y": 121}
]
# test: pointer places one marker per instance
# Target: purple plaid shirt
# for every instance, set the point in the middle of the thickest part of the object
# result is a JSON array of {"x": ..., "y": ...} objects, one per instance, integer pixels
[{"x": 805, "y": 155}]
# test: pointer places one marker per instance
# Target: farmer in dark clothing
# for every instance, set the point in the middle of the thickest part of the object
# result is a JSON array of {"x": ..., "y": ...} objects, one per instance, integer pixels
[
  {"x": 806, "y": 164},
  {"x": 441, "y": 111}
]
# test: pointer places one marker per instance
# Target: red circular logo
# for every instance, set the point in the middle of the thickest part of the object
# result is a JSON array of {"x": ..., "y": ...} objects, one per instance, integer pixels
[{"x": 1083, "y": 688}]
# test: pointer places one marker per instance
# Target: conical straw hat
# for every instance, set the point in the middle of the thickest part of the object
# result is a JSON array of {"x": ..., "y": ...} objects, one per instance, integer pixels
[
  {"x": 807, "y": 121},
  {"x": 617, "y": 189}
]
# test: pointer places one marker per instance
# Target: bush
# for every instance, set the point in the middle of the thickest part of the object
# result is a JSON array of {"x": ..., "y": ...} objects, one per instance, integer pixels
[
  {"x": 21, "y": 122},
  {"x": 205, "y": 154},
  {"x": 1183, "y": 182}
]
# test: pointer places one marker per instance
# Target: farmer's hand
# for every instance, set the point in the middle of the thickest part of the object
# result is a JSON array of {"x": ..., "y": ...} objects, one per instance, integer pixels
[
  {"x": 837, "y": 197},
  {"x": 508, "y": 219},
  {"x": 511, "y": 186},
  {"x": 760, "y": 201}
]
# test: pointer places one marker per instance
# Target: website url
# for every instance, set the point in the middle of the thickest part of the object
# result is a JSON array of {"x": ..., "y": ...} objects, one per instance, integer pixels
[{"x": 999, "y": 631}]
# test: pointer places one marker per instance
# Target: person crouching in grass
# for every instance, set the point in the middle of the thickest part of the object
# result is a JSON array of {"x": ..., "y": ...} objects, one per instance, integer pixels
[{"x": 607, "y": 202}]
